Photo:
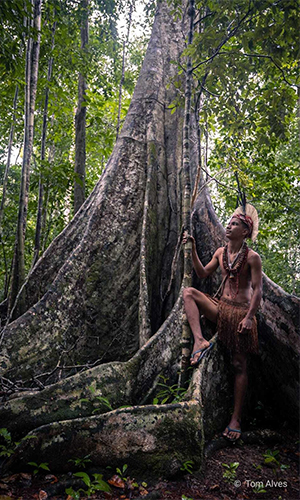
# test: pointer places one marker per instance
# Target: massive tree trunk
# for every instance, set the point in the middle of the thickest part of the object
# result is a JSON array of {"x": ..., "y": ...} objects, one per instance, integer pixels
[{"x": 100, "y": 323}]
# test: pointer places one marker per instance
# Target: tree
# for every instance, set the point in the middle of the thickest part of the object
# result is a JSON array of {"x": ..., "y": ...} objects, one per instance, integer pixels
[
  {"x": 31, "y": 76},
  {"x": 100, "y": 290},
  {"x": 80, "y": 118},
  {"x": 40, "y": 220}
]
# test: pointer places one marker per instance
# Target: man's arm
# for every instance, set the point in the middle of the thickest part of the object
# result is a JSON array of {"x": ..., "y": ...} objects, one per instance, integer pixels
[
  {"x": 201, "y": 271},
  {"x": 256, "y": 281}
]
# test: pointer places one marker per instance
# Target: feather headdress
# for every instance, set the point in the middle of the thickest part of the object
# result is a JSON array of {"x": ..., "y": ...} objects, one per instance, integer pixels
[{"x": 248, "y": 214}]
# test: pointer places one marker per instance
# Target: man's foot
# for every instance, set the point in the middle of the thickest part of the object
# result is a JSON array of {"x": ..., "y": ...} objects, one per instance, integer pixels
[
  {"x": 199, "y": 352},
  {"x": 233, "y": 431}
]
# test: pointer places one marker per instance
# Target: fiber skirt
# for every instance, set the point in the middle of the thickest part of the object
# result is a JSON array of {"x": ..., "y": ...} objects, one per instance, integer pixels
[{"x": 230, "y": 314}]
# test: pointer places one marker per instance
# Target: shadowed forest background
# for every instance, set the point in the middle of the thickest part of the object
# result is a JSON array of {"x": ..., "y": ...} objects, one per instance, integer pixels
[{"x": 122, "y": 124}]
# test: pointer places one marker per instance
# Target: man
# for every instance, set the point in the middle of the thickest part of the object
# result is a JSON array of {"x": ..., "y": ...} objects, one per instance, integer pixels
[{"x": 234, "y": 313}]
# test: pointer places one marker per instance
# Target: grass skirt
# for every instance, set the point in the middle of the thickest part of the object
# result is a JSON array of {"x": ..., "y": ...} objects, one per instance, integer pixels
[{"x": 230, "y": 315}]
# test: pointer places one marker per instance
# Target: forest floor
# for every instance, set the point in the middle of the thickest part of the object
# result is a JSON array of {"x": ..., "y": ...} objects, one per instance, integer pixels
[{"x": 275, "y": 476}]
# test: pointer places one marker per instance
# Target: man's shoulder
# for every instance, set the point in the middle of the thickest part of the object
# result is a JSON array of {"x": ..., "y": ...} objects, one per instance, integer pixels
[
  {"x": 253, "y": 257},
  {"x": 219, "y": 252}
]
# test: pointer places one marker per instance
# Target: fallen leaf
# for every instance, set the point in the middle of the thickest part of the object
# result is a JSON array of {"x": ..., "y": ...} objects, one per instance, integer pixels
[
  {"x": 4, "y": 486},
  {"x": 25, "y": 475},
  {"x": 143, "y": 491},
  {"x": 52, "y": 478},
  {"x": 215, "y": 487},
  {"x": 43, "y": 495},
  {"x": 11, "y": 479},
  {"x": 116, "y": 481},
  {"x": 5, "y": 497}
]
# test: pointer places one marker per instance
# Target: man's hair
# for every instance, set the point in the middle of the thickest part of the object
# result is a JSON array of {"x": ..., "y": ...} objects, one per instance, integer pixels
[{"x": 248, "y": 235}]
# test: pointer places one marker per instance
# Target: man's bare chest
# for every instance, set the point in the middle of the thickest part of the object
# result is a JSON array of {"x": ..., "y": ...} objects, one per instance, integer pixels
[{"x": 244, "y": 272}]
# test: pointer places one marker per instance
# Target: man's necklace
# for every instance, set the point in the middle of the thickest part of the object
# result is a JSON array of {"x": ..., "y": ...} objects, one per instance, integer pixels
[
  {"x": 231, "y": 264},
  {"x": 233, "y": 269}
]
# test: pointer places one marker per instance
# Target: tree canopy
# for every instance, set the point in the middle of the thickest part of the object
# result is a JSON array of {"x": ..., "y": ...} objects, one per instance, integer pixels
[{"x": 245, "y": 75}]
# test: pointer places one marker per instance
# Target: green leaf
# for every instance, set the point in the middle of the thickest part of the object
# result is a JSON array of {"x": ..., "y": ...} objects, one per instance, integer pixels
[
  {"x": 44, "y": 466},
  {"x": 85, "y": 478}
]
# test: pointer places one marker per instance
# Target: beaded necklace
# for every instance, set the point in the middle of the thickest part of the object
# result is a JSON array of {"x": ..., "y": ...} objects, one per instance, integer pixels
[{"x": 233, "y": 269}]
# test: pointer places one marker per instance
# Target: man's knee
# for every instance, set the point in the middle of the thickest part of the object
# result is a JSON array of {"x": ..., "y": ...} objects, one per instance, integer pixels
[{"x": 190, "y": 293}]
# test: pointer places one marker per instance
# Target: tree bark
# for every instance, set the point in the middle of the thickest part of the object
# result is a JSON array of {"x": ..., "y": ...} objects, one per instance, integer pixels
[
  {"x": 41, "y": 208},
  {"x": 5, "y": 179},
  {"x": 80, "y": 117},
  {"x": 186, "y": 203},
  {"x": 96, "y": 314},
  {"x": 125, "y": 43},
  {"x": 31, "y": 77},
  {"x": 7, "y": 167}
]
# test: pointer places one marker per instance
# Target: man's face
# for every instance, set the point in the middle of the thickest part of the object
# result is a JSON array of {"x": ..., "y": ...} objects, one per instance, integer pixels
[{"x": 236, "y": 229}]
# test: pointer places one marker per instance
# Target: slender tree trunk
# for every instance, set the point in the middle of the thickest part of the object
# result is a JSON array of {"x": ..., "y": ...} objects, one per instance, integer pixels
[
  {"x": 10, "y": 143},
  {"x": 39, "y": 220},
  {"x": 5, "y": 179},
  {"x": 125, "y": 43},
  {"x": 51, "y": 154},
  {"x": 31, "y": 76},
  {"x": 186, "y": 204},
  {"x": 80, "y": 119}
]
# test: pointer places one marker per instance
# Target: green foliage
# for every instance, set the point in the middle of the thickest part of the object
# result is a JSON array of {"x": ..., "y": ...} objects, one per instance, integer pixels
[
  {"x": 271, "y": 459},
  {"x": 96, "y": 400},
  {"x": 168, "y": 393},
  {"x": 122, "y": 471},
  {"x": 81, "y": 462},
  {"x": 245, "y": 61},
  {"x": 98, "y": 484},
  {"x": 101, "y": 64},
  {"x": 39, "y": 467},
  {"x": 245, "y": 64},
  {"x": 230, "y": 471},
  {"x": 8, "y": 448},
  {"x": 187, "y": 466},
  {"x": 93, "y": 486}
]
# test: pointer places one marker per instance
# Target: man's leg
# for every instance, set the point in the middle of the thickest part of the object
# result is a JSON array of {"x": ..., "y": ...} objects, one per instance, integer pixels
[
  {"x": 240, "y": 388},
  {"x": 193, "y": 302}
]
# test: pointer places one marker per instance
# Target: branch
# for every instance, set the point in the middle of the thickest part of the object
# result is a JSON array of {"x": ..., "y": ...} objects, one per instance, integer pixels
[
  {"x": 230, "y": 35},
  {"x": 210, "y": 93},
  {"x": 218, "y": 182},
  {"x": 204, "y": 17},
  {"x": 264, "y": 56}
]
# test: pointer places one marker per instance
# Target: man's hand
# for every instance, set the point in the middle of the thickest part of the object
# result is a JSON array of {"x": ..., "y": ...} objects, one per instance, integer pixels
[
  {"x": 245, "y": 326},
  {"x": 187, "y": 237}
]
